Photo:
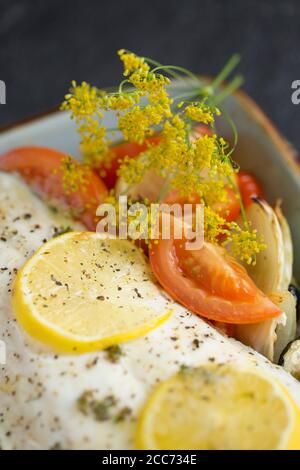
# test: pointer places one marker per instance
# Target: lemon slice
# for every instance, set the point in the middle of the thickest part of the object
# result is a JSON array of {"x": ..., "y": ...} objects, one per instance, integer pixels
[
  {"x": 219, "y": 407},
  {"x": 80, "y": 293}
]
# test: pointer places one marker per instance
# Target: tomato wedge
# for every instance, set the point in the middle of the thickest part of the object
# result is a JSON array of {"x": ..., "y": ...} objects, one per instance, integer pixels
[
  {"x": 249, "y": 188},
  {"x": 229, "y": 210},
  {"x": 40, "y": 167},
  {"x": 209, "y": 282}
]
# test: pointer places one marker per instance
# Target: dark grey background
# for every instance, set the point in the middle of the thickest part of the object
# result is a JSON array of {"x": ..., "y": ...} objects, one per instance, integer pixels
[{"x": 46, "y": 44}]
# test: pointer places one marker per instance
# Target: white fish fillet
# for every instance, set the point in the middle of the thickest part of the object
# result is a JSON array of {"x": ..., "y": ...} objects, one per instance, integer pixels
[{"x": 39, "y": 390}]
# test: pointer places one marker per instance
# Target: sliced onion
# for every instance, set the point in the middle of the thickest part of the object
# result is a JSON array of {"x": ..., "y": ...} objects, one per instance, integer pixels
[
  {"x": 285, "y": 332},
  {"x": 259, "y": 336},
  {"x": 271, "y": 336},
  {"x": 272, "y": 274},
  {"x": 287, "y": 247},
  {"x": 269, "y": 272}
]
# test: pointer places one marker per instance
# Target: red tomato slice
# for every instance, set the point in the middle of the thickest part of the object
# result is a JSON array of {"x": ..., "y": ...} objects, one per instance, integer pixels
[
  {"x": 41, "y": 168},
  {"x": 173, "y": 197},
  {"x": 229, "y": 210},
  {"x": 209, "y": 282},
  {"x": 108, "y": 171},
  {"x": 249, "y": 187}
]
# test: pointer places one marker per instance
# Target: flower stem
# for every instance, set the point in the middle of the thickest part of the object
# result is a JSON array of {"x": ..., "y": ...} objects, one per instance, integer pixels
[
  {"x": 227, "y": 69},
  {"x": 180, "y": 69},
  {"x": 228, "y": 90},
  {"x": 165, "y": 188},
  {"x": 239, "y": 197}
]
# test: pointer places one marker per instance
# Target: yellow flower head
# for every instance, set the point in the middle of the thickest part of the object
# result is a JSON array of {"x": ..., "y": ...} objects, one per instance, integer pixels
[
  {"x": 82, "y": 101},
  {"x": 214, "y": 225},
  {"x": 201, "y": 112},
  {"x": 120, "y": 101},
  {"x": 148, "y": 81},
  {"x": 132, "y": 62},
  {"x": 244, "y": 244},
  {"x": 74, "y": 175},
  {"x": 205, "y": 152},
  {"x": 137, "y": 124},
  {"x": 132, "y": 170}
]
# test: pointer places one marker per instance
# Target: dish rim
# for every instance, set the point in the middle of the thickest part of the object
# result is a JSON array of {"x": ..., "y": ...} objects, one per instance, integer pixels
[{"x": 288, "y": 152}]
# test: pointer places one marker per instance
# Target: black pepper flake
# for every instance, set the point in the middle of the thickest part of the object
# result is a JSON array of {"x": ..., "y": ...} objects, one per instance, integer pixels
[
  {"x": 137, "y": 293},
  {"x": 100, "y": 297},
  {"x": 61, "y": 231},
  {"x": 92, "y": 363},
  {"x": 113, "y": 353},
  {"x": 58, "y": 283}
]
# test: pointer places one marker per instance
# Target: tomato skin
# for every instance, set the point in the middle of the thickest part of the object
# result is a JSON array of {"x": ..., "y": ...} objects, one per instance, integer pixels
[
  {"x": 108, "y": 171},
  {"x": 229, "y": 210},
  {"x": 40, "y": 167},
  {"x": 249, "y": 188},
  {"x": 173, "y": 197},
  {"x": 222, "y": 291},
  {"x": 202, "y": 129}
]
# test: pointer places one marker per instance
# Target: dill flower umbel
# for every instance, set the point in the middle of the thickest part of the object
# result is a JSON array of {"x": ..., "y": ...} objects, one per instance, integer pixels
[
  {"x": 245, "y": 245},
  {"x": 132, "y": 62},
  {"x": 191, "y": 163},
  {"x": 201, "y": 112},
  {"x": 85, "y": 104},
  {"x": 74, "y": 175}
]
